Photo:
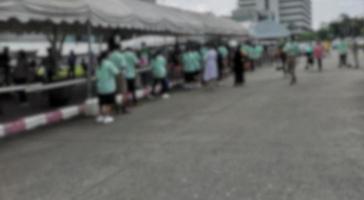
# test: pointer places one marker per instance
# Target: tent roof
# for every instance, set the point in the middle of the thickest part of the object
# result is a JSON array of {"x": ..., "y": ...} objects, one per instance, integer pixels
[
  {"x": 114, "y": 14},
  {"x": 269, "y": 30}
]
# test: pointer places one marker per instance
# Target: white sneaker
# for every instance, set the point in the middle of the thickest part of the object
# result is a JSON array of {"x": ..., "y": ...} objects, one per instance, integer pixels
[
  {"x": 100, "y": 119},
  {"x": 109, "y": 120},
  {"x": 166, "y": 96}
]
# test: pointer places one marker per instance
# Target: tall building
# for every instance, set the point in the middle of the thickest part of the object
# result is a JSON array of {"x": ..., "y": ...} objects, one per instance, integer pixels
[{"x": 295, "y": 14}]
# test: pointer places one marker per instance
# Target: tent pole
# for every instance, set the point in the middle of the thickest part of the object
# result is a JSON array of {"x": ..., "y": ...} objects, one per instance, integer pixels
[{"x": 91, "y": 60}]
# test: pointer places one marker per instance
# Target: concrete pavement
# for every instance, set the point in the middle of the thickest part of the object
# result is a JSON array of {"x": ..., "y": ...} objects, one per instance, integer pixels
[{"x": 265, "y": 141}]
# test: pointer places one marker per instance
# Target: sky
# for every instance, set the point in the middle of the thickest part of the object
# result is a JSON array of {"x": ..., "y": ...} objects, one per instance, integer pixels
[{"x": 323, "y": 10}]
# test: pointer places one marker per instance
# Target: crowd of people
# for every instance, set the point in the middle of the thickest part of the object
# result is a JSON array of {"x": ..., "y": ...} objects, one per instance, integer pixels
[
  {"x": 198, "y": 65},
  {"x": 19, "y": 68},
  {"x": 315, "y": 52}
]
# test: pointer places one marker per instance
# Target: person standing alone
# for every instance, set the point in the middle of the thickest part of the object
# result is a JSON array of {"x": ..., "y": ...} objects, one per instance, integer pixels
[
  {"x": 319, "y": 52},
  {"x": 292, "y": 50}
]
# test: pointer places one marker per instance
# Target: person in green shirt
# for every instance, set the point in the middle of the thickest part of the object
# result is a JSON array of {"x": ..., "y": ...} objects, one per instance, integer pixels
[
  {"x": 197, "y": 64},
  {"x": 292, "y": 50},
  {"x": 159, "y": 70},
  {"x": 131, "y": 61},
  {"x": 309, "y": 55},
  {"x": 254, "y": 55},
  {"x": 247, "y": 51},
  {"x": 343, "y": 48},
  {"x": 188, "y": 66},
  {"x": 106, "y": 85},
  {"x": 117, "y": 58}
]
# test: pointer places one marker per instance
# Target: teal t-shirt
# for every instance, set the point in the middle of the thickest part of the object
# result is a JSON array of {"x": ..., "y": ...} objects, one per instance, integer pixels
[
  {"x": 118, "y": 59},
  {"x": 255, "y": 53},
  {"x": 309, "y": 49},
  {"x": 159, "y": 67},
  {"x": 196, "y": 60},
  {"x": 342, "y": 47},
  {"x": 131, "y": 61},
  {"x": 106, "y": 78},
  {"x": 188, "y": 63},
  {"x": 204, "y": 51},
  {"x": 291, "y": 49},
  {"x": 246, "y": 50},
  {"x": 223, "y": 51}
]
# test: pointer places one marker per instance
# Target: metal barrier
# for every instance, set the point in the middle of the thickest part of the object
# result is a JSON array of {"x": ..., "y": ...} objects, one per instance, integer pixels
[{"x": 40, "y": 87}]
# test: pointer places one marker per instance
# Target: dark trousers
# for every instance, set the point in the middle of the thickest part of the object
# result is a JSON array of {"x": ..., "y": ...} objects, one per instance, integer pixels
[
  {"x": 239, "y": 75},
  {"x": 132, "y": 89},
  {"x": 319, "y": 63},
  {"x": 22, "y": 96},
  {"x": 7, "y": 75},
  {"x": 343, "y": 60},
  {"x": 252, "y": 65},
  {"x": 164, "y": 84},
  {"x": 291, "y": 69}
]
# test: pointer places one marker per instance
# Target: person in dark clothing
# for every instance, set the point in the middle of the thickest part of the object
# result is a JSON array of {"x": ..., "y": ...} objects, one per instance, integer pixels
[
  {"x": 5, "y": 65},
  {"x": 220, "y": 64},
  {"x": 21, "y": 73},
  {"x": 239, "y": 70},
  {"x": 50, "y": 64},
  {"x": 72, "y": 59}
]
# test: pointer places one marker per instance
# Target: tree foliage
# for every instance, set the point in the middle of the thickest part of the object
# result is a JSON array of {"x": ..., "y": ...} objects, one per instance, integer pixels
[{"x": 345, "y": 26}]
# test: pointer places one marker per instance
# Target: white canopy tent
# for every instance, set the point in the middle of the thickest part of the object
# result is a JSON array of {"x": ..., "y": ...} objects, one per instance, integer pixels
[
  {"x": 114, "y": 14},
  {"x": 57, "y": 18}
]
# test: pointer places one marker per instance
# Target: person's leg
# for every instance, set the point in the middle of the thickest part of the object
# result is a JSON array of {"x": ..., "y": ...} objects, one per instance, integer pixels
[
  {"x": 154, "y": 86},
  {"x": 133, "y": 91},
  {"x": 307, "y": 62},
  {"x": 291, "y": 70},
  {"x": 345, "y": 60},
  {"x": 356, "y": 60},
  {"x": 252, "y": 62},
  {"x": 238, "y": 77},
  {"x": 341, "y": 61},
  {"x": 319, "y": 62},
  {"x": 165, "y": 86}
]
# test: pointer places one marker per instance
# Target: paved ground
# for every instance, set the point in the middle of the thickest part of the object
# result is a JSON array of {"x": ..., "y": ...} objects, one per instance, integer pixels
[{"x": 266, "y": 141}]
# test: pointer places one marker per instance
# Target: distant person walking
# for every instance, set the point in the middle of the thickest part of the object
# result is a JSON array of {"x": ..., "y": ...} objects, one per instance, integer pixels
[
  {"x": 292, "y": 50},
  {"x": 319, "y": 53},
  {"x": 309, "y": 56},
  {"x": 283, "y": 59},
  {"x": 343, "y": 48},
  {"x": 355, "y": 49}
]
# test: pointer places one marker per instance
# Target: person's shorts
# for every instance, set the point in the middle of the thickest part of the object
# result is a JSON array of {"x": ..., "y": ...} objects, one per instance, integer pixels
[
  {"x": 197, "y": 73},
  {"x": 190, "y": 77},
  {"x": 107, "y": 99},
  {"x": 131, "y": 85}
]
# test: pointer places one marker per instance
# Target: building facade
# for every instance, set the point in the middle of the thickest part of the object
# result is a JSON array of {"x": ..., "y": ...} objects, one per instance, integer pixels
[{"x": 295, "y": 14}]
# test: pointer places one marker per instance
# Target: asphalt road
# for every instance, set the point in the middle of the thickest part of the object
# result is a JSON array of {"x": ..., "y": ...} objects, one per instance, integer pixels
[{"x": 264, "y": 141}]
